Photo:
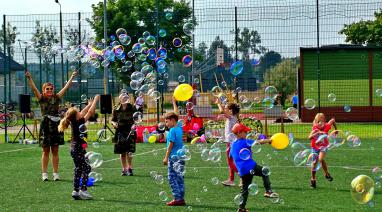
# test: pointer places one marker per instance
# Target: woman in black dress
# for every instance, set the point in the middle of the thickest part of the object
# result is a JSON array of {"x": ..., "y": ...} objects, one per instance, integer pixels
[{"x": 124, "y": 137}]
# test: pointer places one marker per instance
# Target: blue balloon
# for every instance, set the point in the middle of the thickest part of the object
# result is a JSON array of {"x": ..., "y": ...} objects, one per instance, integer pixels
[
  {"x": 89, "y": 183},
  {"x": 262, "y": 136}
]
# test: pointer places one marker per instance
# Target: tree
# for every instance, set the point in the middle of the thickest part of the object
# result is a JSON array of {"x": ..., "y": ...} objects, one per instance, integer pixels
[
  {"x": 365, "y": 32},
  {"x": 268, "y": 60},
  {"x": 11, "y": 37},
  {"x": 284, "y": 77},
  {"x": 248, "y": 43},
  {"x": 201, "y": 51},
  {"x": 138, "y": 16},
  {"x": 44, "y": 39},
  {"x": 72, "y": 34}
]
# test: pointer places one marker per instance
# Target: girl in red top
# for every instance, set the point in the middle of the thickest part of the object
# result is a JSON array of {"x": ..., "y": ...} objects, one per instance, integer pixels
[{"x": 319, "y": 144}]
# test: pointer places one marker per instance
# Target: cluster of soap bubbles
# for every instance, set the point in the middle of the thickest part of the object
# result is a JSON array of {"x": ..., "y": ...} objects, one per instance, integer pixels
[
  {"x": 310, "y": 104},
  {"x": 94, "y": 159},
  {"x": 303, "y": 156}
]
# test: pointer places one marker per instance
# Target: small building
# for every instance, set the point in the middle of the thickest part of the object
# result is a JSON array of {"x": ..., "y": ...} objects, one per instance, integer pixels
[
  {"x": 14, "y": 78},
  {"x": 345, "y": 87}
]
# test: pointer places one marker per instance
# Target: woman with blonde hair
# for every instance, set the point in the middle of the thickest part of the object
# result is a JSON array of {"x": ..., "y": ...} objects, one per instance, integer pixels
[{"x": 49, "y": 137}]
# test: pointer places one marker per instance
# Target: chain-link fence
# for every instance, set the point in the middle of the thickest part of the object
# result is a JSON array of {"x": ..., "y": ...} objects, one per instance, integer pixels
[{"x": 266, "y": 37}]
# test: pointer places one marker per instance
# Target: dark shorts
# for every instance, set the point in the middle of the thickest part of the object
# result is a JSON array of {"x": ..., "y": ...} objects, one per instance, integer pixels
[
  {"x": 124, "y": 143},
  {"x": 49, "y": 135}
]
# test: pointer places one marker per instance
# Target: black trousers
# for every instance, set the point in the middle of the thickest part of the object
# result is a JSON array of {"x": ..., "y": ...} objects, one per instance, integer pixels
[
  {"x": 247, "y": 180},
  {"x": 81, "y": 168}
]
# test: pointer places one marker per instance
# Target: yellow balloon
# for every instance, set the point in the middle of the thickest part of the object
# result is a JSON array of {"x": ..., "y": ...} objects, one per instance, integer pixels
[
  {"x": 152, "y": 139},
  {"x": 279, "y": 141},
  {"x": 196, "y": 139},
  {"x": 183, "y": 92},
  {"x": 362, "y": 189}
]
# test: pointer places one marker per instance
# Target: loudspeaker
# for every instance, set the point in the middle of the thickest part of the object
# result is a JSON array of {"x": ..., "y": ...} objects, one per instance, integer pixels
[
  {"x": 105, "y": 103},
  {"x": 25, "y": 103}
]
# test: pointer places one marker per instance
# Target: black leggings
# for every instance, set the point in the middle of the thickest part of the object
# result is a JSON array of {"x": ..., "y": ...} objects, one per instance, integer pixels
[
  {"x": 81, "y": 168},
  {"x": 247, "y": 180}
]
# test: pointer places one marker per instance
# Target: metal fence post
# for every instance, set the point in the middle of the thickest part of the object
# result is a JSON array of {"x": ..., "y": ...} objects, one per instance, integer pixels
[{"x": 5, "y": 74}]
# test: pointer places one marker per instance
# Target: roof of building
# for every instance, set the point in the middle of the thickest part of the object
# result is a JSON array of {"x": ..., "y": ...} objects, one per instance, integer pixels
[{"x": 14, "y": 66}]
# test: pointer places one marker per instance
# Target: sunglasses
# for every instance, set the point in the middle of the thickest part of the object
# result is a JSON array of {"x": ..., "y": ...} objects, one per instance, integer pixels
[{"x": 49, "y": 89}]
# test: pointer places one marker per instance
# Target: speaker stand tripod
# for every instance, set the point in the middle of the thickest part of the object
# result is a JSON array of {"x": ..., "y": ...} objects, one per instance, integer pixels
[
  {"x": 23, "y": 129},
  {"x": 105, "y": 126}
]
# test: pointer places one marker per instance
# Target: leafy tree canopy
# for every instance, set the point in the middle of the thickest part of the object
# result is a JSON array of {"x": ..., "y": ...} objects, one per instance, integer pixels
[
  {"x": 11, "y": 33},
  {"x": 365, "y": 32},
  {"x": 284, "y": 77}
]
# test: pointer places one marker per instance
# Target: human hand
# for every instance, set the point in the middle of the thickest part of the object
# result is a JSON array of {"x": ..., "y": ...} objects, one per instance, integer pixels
[
  {"x": 90, "y": 101},
  {"x": 28, "y": 75},
  {"x": 97, "y": 97},
  {"x": 115, "y": 125},
  {"x": 165, "y": 161},
  {"x": 173, "y": 100},
  {"x": 74, "y": 74}
]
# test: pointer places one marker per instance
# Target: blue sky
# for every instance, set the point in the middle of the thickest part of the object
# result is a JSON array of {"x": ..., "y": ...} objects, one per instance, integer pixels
[{"x": 23, "y": 7}]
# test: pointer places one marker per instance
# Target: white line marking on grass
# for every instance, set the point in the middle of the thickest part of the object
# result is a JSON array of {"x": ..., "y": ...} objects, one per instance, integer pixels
[
  {"x": 16, "y": 150},
  {"x": 223, "y": 167},
  {"x": 143, "y": 153}
]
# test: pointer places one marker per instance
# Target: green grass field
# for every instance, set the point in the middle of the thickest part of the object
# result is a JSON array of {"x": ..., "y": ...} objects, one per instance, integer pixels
[
  {"x": 348, "y": 92},
  {"x": 23, "y": 190}
]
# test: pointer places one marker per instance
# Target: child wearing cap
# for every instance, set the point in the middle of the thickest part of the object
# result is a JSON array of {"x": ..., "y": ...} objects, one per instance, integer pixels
[{"x": 248, "y": 167}]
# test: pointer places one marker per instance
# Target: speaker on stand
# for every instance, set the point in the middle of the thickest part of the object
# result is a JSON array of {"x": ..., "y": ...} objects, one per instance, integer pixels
[
  {"x": 106, "y": 108},
  {"x": 25, "y": 107}
]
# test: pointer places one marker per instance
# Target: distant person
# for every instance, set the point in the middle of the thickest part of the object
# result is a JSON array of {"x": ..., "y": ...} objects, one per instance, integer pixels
[
  {"x": 139, "y": 102},
  {"x": 76, "y": 119},
  {"x": 295, "y": 100},
  {"x": 49, "y": 137},
  {"x": 124, "y": 138},
  {"x": 193, "y": 125},
  {"x": 319, "y": 147}
]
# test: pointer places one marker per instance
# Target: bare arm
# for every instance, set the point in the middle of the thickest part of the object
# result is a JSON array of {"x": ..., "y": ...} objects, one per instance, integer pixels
[
  {"x": 176, "y": 111},
  {"x": 86, "y": 109},
  {"x": 92, "y": 108},
  {"x": 332, "y": 122},
  {"x": 265, "y": 141},
  {"x": 169, "y": 148},
  {"x": 314, "y": 133},
  {"x": 67, "y": 85},
  {"x": 221, "y": 109},
  {"x": 32, "y": 85}
]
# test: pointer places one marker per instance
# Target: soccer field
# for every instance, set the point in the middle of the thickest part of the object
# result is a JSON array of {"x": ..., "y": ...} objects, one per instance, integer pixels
[{"x": 23, "y": 190}]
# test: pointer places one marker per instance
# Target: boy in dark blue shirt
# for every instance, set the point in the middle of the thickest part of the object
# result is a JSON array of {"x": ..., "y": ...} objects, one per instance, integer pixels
[{"x": 246, "y": 166}]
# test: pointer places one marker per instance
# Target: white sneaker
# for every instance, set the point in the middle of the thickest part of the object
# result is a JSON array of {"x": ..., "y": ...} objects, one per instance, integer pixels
[
  {"x": 44, "y": 176},
  {"x": 85, "y": 195},
  {"x": 56, "y": 177},
  {"x": 76, "y": 195},
  {"x": 228, "y": 183}
]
